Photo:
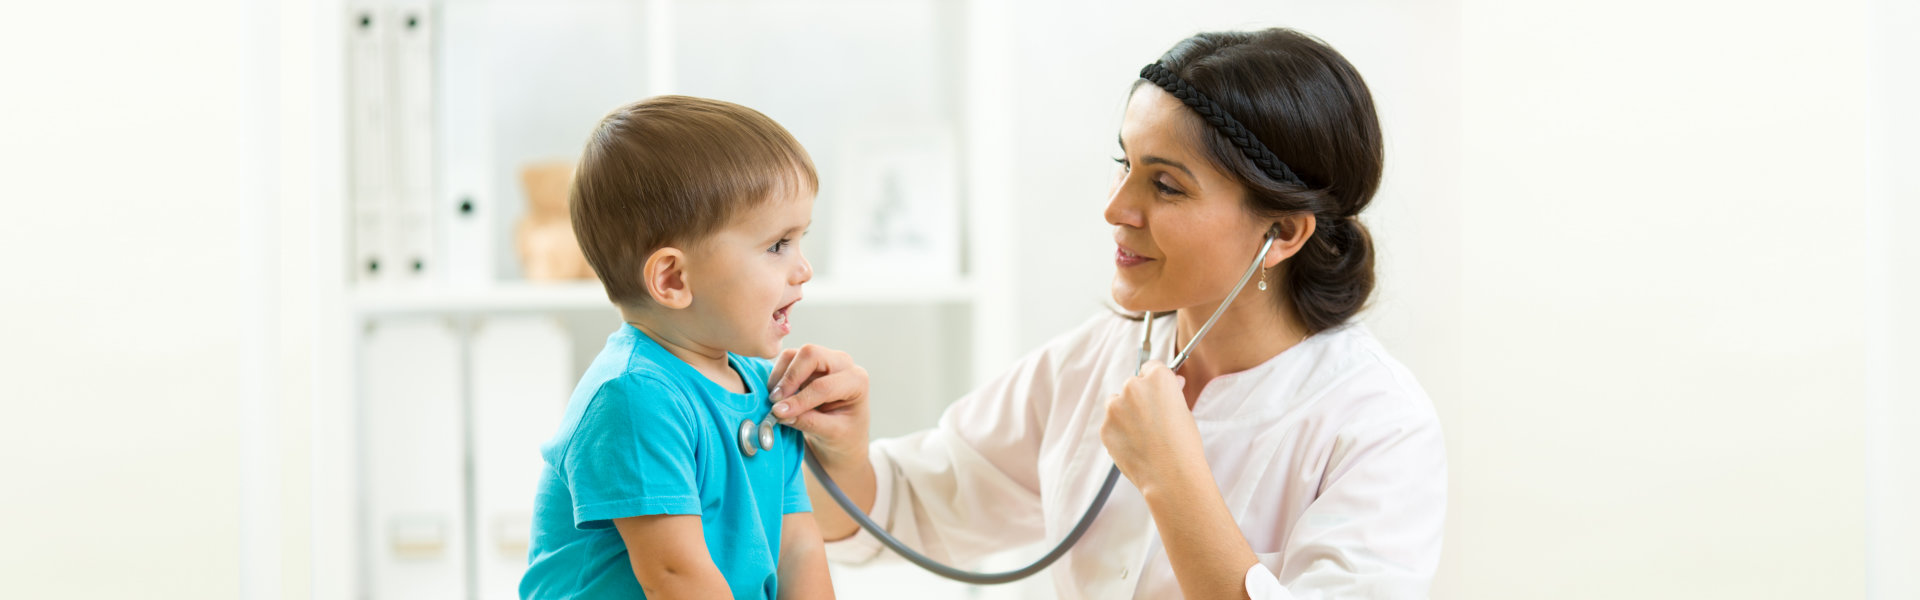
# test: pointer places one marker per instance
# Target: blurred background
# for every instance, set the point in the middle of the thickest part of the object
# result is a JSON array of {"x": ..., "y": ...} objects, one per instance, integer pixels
[{"x": 285, "y": 309}]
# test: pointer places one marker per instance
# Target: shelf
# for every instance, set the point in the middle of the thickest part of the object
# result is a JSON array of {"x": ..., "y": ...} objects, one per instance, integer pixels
[{"x": 519, "y": 297}]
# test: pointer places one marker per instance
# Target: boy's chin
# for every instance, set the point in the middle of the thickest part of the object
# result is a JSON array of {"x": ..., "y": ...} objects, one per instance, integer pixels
[{"x": 767, "y": 350}]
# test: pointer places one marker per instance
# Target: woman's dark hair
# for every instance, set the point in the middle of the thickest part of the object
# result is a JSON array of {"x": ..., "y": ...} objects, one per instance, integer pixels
[{"x": 1307, "y": 104}]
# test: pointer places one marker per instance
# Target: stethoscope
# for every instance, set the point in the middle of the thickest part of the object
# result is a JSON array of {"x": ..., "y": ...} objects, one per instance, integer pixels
[
  {"x": 754, "y": 438},
  {"x": 762, "y": 433}
]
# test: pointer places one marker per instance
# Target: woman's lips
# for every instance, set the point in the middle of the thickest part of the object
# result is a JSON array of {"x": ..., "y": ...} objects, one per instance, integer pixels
[{"x": 1124, "y": 258}]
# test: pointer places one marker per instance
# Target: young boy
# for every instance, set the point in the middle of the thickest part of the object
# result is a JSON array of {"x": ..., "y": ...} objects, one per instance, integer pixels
[{"x": 688, "y": 210}]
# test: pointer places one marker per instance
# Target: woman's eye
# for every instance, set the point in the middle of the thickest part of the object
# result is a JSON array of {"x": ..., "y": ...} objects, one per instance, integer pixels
[
  {"x": 1166, "y": 189},
  {"x": 1124, "y": 166}
]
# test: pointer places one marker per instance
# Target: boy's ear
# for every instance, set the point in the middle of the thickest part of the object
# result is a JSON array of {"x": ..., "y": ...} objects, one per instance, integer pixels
[{"x": 666, "y": 278}]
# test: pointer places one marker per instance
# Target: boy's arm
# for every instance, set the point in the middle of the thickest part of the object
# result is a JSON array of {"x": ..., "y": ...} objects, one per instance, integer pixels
[
  {"x": 669, "y": 554},
  {"x": 803, "y": 559}
]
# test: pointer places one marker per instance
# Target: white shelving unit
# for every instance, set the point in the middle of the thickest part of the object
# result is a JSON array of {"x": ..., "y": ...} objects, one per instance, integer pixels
[
  {"x": 586, "y": 296},
  {"x": 522, "y": 80}
]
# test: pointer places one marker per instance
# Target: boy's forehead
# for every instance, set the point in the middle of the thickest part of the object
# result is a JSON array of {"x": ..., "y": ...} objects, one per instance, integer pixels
[{"x": 780, "y": 210}]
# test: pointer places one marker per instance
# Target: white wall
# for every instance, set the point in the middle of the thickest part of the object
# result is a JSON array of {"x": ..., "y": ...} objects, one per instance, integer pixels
[
  {"x": 1663, "y": 342},
  {"x": 1893, "y": 289}
]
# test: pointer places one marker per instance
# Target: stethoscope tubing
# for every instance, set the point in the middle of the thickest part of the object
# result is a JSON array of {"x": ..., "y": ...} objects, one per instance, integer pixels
[{"x": 1086, "y": 520}]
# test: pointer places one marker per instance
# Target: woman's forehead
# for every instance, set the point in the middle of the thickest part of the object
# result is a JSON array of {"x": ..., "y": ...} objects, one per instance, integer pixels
[{"x": 1158, "y": 123}]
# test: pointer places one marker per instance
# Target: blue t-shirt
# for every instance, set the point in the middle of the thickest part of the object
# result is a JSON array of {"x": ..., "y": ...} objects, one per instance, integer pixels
[{"x": 646, "y": 434}]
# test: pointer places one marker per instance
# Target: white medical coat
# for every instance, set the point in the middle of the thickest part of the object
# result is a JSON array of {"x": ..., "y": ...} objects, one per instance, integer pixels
[{"x": 1329, "y": 457}]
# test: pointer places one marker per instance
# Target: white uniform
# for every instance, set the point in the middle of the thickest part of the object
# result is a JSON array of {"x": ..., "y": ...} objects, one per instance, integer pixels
[{"x": 1329, "y": 456}]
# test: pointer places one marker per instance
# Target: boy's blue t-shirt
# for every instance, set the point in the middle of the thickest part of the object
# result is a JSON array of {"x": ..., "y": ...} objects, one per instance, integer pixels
[{"x": 646, "y": 434}]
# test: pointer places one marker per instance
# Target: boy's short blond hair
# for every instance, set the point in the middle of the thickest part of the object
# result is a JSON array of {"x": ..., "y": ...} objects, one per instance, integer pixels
[{"x": 670, "y": 171}]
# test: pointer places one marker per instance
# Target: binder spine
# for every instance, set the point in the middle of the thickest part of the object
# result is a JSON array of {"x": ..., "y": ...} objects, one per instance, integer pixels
[
  {"x": 369, "y": 122},
  {"x": 411, "y": 62}
]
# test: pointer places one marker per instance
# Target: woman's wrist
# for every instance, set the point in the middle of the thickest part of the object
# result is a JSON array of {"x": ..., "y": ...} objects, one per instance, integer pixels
[
  {"x": 839, "y": 457},
  {"x": 1174, "y": 478}
]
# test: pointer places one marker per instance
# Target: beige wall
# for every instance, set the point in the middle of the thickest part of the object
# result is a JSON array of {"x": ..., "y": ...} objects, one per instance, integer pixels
[{"x": 124, "y": 286}]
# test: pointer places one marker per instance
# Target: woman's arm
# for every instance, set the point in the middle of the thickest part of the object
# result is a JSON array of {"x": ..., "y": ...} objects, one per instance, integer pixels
[
  {"x": 1372, "y": 531},
  {"x": 669, "y": 555},
  {"x": 971, "y": 484},
  {"x": 1153, "y": 439},
  {"x": 856, "y": 479},
  {"x": 803, "y": 560}
]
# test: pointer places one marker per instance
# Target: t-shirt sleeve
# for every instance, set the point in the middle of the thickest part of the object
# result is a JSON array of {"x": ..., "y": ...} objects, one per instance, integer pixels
[
  {"x": 794, "y": 499},
  {"x": 633, "y": 454}
]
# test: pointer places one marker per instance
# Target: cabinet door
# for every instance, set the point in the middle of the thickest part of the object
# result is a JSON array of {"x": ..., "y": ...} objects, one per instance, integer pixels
[
  {"x": 522, "y": 376},
  {"x": 412, "y": 424}
]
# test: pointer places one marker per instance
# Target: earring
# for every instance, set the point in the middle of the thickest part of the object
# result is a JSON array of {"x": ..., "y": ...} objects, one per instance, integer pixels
[{"x": 1263, "y": 279}]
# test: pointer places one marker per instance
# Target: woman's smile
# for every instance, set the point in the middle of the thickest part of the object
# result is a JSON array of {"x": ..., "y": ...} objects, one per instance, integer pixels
[{"x": 1126, "y": 258}]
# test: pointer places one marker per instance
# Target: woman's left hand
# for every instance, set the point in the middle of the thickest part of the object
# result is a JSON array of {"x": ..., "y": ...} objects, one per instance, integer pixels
[{"x": 1149, "y": 429}]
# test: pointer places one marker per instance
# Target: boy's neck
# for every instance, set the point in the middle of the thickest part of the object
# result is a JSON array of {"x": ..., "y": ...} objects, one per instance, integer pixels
[{"x": 708, "y": 360}]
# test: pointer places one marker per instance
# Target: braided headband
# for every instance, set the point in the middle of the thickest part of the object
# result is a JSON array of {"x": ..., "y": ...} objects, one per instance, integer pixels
[{"x": 1222, "y": 122}]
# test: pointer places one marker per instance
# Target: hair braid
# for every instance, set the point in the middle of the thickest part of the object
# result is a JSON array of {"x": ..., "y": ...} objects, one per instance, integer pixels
[{"x": 1222, "y": 122}]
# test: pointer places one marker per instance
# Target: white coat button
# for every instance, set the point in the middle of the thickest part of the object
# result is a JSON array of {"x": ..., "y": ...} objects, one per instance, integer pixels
[{"x": 1124, "y": 572}]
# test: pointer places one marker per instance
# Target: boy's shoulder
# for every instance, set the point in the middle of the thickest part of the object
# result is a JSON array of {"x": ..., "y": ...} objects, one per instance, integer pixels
[
  {"x": 626, "y": 379},
  {"x": 633, "y": 375},
  {"x": 615, "y": 398}
]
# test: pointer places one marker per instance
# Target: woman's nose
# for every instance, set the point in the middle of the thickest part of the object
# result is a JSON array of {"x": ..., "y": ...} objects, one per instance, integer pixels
[{"x": 1121, "y": 209}]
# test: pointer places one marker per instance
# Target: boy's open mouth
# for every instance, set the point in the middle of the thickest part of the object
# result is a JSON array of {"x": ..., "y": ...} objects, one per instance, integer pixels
[{"x": 780, "y": 314}]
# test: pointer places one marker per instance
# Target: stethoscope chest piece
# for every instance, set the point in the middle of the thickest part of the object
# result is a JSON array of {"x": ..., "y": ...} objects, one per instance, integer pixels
[{"x": 749, "y": 434}]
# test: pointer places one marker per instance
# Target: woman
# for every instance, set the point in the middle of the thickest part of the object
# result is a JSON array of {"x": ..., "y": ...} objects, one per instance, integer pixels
[{"x": 1289, "y": 457}]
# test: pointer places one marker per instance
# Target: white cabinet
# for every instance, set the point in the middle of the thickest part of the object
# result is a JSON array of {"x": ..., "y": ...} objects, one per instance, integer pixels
[
  {"x": 413, "y": 460},
  {"x": 522, "y": 373}
]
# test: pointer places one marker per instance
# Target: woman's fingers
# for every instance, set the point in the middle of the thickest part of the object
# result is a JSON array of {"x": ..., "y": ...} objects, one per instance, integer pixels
[
  {"x": 846, "y": 385},
  {"x": 807, "y": 362},
  {"x": 780, "y": 364}
]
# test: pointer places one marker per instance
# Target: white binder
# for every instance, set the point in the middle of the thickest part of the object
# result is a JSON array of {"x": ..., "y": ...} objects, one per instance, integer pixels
[
  {"x": 410, "y": 28},
  {"x": 522, "y": 376},
  {"x": 369, "y": 143},
  {"x": 412, "y": 428},
  {"x": 465, "y": 209}
]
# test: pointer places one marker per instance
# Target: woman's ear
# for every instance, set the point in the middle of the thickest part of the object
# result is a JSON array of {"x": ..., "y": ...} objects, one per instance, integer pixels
[
  {"x": 1292, "y": 232},
  {"x": 666, "y": 277}
]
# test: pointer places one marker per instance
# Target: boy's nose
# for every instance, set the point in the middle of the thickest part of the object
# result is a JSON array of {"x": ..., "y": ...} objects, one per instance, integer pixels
[{"x": 804, "y": 273}]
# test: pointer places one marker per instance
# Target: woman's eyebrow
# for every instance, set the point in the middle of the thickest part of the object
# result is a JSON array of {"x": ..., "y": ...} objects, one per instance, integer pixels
[{"x": 1155, "y": 160}]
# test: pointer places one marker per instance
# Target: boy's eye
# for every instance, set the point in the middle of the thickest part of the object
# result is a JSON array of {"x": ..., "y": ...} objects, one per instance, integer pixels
[{"x": 780, "y": 245}]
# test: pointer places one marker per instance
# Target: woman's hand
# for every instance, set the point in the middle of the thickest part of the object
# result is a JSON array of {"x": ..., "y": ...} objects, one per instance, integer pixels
[
  {"x": 1149, "y": 429},
  {"x": 824, "y": 395},
  {"x": 1151, "y": 435}
]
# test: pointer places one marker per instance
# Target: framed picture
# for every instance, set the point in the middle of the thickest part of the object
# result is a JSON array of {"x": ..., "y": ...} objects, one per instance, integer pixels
[{"x": 897, "y": 216}]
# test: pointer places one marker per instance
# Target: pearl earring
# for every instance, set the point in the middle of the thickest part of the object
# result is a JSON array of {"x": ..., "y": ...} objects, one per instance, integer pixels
[{"x": 1263, "y": 279}]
